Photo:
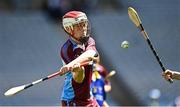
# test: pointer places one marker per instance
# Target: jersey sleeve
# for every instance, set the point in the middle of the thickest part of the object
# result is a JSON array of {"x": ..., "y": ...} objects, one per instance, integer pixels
[
  {"x": 91, "y": 44},
  {"x": 64, "y": 53}
]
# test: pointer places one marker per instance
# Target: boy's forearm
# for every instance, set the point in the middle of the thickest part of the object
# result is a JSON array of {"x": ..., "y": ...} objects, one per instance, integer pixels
[
  {"x": 88, "y": 55},
  {"x": 176, "y": 75}
]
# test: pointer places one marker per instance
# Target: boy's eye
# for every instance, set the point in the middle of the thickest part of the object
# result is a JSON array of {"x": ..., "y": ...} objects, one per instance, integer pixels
[{"x": 79, "y": 25}]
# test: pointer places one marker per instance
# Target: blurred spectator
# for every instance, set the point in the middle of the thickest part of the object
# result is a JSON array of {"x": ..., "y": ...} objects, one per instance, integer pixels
[
  {"x": 154, "y": 96},
  {"x": 57, "y": 8},
  {"x": 6, "y": 5},
  {"x": 100, "y": 84},
  {"x": 177, "y": 102},
  {"x": 84, "y": 5}
]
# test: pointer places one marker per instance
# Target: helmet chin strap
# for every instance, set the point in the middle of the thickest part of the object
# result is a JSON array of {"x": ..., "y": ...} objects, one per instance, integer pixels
[{"x": 82, "y": 40}]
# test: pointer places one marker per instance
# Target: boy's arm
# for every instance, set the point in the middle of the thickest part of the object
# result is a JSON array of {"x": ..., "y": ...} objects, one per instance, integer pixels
[
  {"x": 176, "y": 75},
  {"x": 171, "y": 74},
  {"x": 87, "y": 56}
]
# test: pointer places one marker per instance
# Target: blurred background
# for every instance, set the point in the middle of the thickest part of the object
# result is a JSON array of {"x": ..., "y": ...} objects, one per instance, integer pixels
[{"x": 31, "y": 35}]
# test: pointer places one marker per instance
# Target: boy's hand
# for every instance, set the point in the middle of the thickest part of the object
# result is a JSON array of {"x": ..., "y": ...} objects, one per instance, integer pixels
[
  {"x": 64, "y": 69},
  {"x": 168, "y": 74}
]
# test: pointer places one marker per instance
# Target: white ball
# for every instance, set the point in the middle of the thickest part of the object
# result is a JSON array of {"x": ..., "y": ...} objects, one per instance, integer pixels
[{"x": 125, "y": 44}]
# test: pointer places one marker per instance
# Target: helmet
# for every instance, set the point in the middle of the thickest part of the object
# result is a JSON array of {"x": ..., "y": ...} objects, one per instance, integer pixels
[{"x": 74, "y": 17}]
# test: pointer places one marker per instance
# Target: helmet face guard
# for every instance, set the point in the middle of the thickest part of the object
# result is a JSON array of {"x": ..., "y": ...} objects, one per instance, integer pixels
[
  {"x": 86, "y": 33},
  {"x": 76, "y": 18}
]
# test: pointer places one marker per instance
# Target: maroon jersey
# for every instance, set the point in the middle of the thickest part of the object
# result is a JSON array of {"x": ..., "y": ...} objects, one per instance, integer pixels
[{"x": 73, "y": 91}]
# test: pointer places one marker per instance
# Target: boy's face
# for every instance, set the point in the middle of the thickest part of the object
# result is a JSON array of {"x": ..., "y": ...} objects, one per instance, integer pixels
[{"x": 80, "y": 30}]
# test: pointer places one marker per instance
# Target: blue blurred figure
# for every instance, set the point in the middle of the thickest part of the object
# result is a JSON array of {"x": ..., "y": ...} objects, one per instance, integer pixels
[{"x": 100, "y": 84}]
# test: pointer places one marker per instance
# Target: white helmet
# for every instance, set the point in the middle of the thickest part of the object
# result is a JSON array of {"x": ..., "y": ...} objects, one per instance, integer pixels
[{"x": 71, "y": 18}]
